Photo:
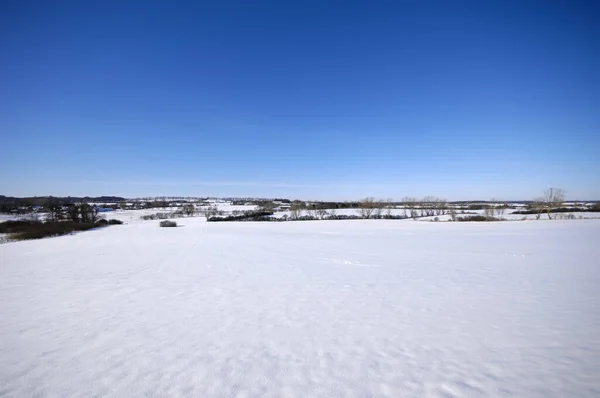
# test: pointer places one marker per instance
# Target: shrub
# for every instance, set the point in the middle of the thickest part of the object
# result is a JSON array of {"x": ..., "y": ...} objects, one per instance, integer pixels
[
  {"x": 557, "y": 210},
  {"x": 251, "y": 215},
  {"x": 113, "y": 221},
  {"x": 476, "y": 218},
  {"x": 477, "y": 206},
  {"x": 168, "y": 223},
  {"x": 50, "y": 228},
  {"x": 102, "y": 221},
  {"x": 15, "y": 226}
]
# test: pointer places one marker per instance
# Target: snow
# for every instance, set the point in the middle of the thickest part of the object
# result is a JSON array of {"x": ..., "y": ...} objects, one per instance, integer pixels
[
  {"x": 15, "y": 217},
  {"x": 355, "y": 308}
]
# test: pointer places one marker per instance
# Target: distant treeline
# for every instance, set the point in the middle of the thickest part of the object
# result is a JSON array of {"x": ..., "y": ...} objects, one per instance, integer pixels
[
  {"x": 10, "y": 204},
  {"x": 592, "y": 209}
]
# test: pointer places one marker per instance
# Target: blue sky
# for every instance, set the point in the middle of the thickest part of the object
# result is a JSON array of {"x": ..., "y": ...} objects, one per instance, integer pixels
[{"x": 304, "y": 99}]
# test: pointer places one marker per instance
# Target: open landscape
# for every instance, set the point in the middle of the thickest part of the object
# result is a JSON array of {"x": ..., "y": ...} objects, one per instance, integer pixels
[
  {"x": 358, "y": 308},
  {"x": 309, "y": 199}
]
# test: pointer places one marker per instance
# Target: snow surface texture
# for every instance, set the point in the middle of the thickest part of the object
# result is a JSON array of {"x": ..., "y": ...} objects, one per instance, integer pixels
[{"x": 304, "y": 309}]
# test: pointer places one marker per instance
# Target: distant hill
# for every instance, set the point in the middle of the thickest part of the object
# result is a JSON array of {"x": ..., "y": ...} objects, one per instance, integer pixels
[{"x": 12, "y": 202}]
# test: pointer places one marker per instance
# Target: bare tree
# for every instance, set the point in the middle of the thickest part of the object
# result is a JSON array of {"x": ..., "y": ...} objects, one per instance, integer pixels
[
  {"x": 553, "y": 198},
  {"x": 74, "y": 212},
  {"x": 94, "y": 213},
  {"x": 389, "y": 205},
  {"x": 452, "y": 213},
  {"x": 296, "y": 210},
  {"x": 537, "y": 205},
  {"x": 490, "y": 209},
  {"x": 409, "y": 204},
  {"x": 428, "y": 205},
  {"x": 488, "y": 212},
  {"x": 367, "y": 207},
  {"x": 55, "y": 210},
  {"x": 420, "y": 204},
  {"x": 413, "y": 213},
  {"x": 441, "y": 207},
  {"x": 500, "y": 209},
  {"x": 189, "y": 210},
  {"x": 404, "y": 204},
  {"x": 321, "y": 213},
  {"x": 267, "y": 206},
  {"x": 379, "y": 207},
  {"x": 211, "y": 211},
  {"x": 87, "y": 213}
]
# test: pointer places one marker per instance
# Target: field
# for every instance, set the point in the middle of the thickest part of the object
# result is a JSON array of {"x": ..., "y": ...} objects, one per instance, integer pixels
[{"x": 304, "y": 309}]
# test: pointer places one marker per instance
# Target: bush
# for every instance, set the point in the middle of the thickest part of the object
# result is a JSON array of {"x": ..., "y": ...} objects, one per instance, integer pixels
[
  {"x": 476, "y": 218},
  {"x": 477, "y": 206},
  {"x": 250, "y": 215},
  {"x": 38, "y": 230},
  {"x": 168, "y": 223},
  {"x": 15, "y": 226},
  {"x": 163, "y": 215},
  {"x": 558, "y": 210},
  {"x": 102, "y": 221},
  {"x": 114, "y": 222}
]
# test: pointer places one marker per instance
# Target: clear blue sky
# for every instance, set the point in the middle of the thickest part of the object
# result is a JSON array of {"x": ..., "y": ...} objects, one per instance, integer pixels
[{"x": 305, "y": 99}]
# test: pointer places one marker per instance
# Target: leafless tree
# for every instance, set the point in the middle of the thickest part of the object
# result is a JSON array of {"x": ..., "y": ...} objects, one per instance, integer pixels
[
  {"x": 414, "y": 213},
  {"x": 93, "y": 213},
  {"x": 408, "y": 205},
  {"x": 55, "y": 210},
  {"x": 404, "y": 204},
  {"x": 537, "y": 205},
  {"x": 428, "y": 205},
  {"x": 211, "y": 211},
  {"x": 488, "y": 212},
  {"x": 313, "y": 211},
  {"x": 389, "y": 205},
  {"x": 189, "y": 210},
  {"x": 441, "y": 207},
  {"x": 501, "y": 209},
  {"x": 267, "y": 206},
  {"x": 88, "y": 213},
  {"x": 296, "y": 210},
  {"x": 74, "y": 212},
  {"x": 420, "y": 205},
  {"x": 379, "y": 206},
  {"x": 321, "y": 213},
  {"x": 553, "y": 198},
  {"x": 452, "y": 213},
  {"x": 367, "y": 207},
  {"x": 377, "y": 212}
]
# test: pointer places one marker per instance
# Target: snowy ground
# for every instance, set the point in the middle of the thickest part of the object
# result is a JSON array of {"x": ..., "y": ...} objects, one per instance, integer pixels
[{"x": 321, "y": 309}]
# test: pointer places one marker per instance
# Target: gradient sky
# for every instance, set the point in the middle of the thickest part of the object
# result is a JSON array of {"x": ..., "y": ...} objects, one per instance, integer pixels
[{"x": 303, "y": 99}]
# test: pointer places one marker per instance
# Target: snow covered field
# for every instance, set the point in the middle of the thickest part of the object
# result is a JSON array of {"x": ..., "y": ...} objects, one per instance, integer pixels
[{"x": 304, "y": 309}]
